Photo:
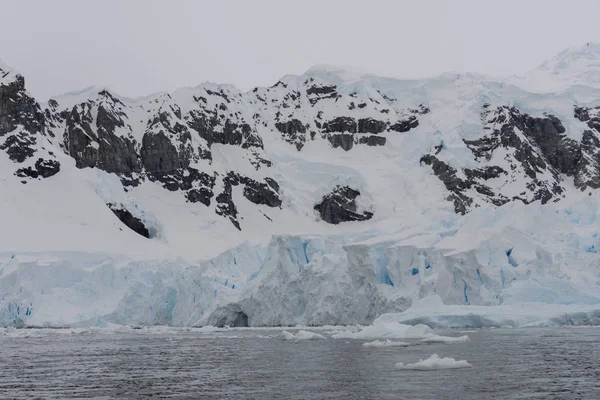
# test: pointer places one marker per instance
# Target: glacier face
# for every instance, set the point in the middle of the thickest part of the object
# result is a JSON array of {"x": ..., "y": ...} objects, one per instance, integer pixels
[{"x": 328, "y": 198}]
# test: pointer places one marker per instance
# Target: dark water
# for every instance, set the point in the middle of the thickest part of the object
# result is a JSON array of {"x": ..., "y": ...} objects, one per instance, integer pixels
[{"x": 507, "y": 364}]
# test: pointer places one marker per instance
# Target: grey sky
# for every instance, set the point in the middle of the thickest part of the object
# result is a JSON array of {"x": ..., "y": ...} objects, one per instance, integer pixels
[{"x": 141, "y": 46}]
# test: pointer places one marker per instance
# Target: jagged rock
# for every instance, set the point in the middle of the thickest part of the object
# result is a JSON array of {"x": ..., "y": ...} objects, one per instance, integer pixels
[
  {"x": 340, "y": 206},
  {"x": 370, "y": 125},
  {"x": 225, "y": 205},
  {"x": 406, "y": 125},
  {"x": 372, "y": 140},
  {"x": 316, "y": 93},
  {"x": 294, "y": 132},
  {"x": 340, "y": 125},
  {"x": 343, "y": 140},
  {"x": 23, "y": 131},
  {"x": 256, "y": 192},
  {"x": 158, "y": 154},
  {"x": 262, "y": 193},
  {"x": 99, "y": 145},
  {"x": 537, "y": 151},
  {"x": 42, "y": 168},
  {"x": 17, "y": 108},
  {"x": 133, "y": 223}
]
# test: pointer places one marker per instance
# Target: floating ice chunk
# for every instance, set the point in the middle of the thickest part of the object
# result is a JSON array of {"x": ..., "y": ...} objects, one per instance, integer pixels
[
  {"x": 387, "y": 343},
  {"x": 288, "y": 336},
  {"x": 446, "y": 339},
  {"x": 302, "y": 335},
  {"x": 434, "y": 363},
  {"x": 387, "y": 330}
]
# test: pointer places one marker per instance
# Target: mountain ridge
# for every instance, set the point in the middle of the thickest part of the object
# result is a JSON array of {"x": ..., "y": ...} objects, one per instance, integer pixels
[{"x": 377, "y": 184}]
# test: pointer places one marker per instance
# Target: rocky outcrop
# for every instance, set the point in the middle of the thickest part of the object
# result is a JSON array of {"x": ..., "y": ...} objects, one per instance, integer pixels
[
  {"x": 538, "y": 155},
  {"x": 340, "y": 206},
  {"x": 133, "y": 223},
  {"x": 106, "y": 141},
  {"x": 259, "y": 193},
  {"x": 587, "y": 172},
  {"x": 293, "y": 131},
  {"x": 23, "y": 134}
]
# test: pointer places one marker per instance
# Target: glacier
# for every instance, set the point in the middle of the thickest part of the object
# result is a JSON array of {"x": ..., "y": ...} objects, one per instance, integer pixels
[{"x": 451, "y": 242}]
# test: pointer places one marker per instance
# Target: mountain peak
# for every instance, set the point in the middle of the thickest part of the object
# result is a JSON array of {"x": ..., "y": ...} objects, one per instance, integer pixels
[
  {"x": 574, "y": 66},
  {"x": 574, "y": 57},
  {"x": 344, "y": 72},
  {"x": 7, "y": 74}
]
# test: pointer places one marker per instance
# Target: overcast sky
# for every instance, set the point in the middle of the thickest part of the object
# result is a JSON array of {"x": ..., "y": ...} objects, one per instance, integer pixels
[{"x": 141, "y": 46}]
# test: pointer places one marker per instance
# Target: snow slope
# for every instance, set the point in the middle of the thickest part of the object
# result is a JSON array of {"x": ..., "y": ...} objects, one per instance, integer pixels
[{"x": 478, "y": 190}]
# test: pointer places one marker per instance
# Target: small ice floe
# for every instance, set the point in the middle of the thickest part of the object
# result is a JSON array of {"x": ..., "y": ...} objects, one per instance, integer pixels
[
  {"x": 387, "y": 343},
  {"x": 435, "y": 363},
  {"x": 446, "y": 339},
  {"x": 301, "y": 335},
  {"x": 387, "y": 330}
]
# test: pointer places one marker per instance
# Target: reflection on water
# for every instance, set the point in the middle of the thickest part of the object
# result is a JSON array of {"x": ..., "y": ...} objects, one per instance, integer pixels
[{"x": 507, "y": 364}]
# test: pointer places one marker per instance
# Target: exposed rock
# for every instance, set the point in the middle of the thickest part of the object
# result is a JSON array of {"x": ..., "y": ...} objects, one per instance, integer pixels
[
  {"x": 42, "y": 168},
  {"x": 340, "y": 206},
  {"x": 372, "y": 140},
  {"x": 370, "y": 125},
  {"x": 225, "y": 204},
  {"x": 158, "y": 154},
  {"x": 316, "y": 93},
  {"x": 343, "y": 140},
  {"x": 23, "y": 131},
  {"x": 340, "y": 125},
  {"x": 537, "y": 151},
  {"x": 133, "y": 223},
  {"x": 293, "y": 132},
  {"x": 405, "y": 125}
]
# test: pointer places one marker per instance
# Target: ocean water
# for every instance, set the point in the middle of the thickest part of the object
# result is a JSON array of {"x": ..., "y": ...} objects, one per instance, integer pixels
[{"x": 257, "y": 364}]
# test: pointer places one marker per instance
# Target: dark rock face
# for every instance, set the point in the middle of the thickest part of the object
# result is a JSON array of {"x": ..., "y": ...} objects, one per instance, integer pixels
[
  {"x": 587, "y": 172},
  {"x": 23, "y": 132},
  {"x": 257, "y": 192},
  {"x": 340, "y": 125},
  {"x": 133, "y": 223},
  {"x": 340, "y": 206},
  {"x": 406, "y": 125},
  {"x": 370, "y": 125},
  {"x": 159, "y": 155},
  {"x": 98, "y": 145},
  {"x": 343, "y": 140},
  {"x": 225, "y": 204},
  {"x": 293, "y": 132},
  {"x": 539, "y": 155},
  {"x": 41, "y": 169},
  {"x": 17, "y": 108},
  {"x": 316, "y": 92},
  {"x": 262, "y": 193},
  {"x": 372, "y": 140}
]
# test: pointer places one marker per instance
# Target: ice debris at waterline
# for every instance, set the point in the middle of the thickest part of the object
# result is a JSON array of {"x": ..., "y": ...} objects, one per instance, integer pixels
[
  {"x": 386, "y": 330},
  {"x": 301, "y": 335},
  {"x": 435, "y": 363},
  {"x": 446, "y": 339},
  {"x": 434, "y": 313},
  {"x": 386, "y": 343}
]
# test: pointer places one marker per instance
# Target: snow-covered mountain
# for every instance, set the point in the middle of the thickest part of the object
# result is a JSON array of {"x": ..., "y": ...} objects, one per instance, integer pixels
[{"x": 327, "y": 198}]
